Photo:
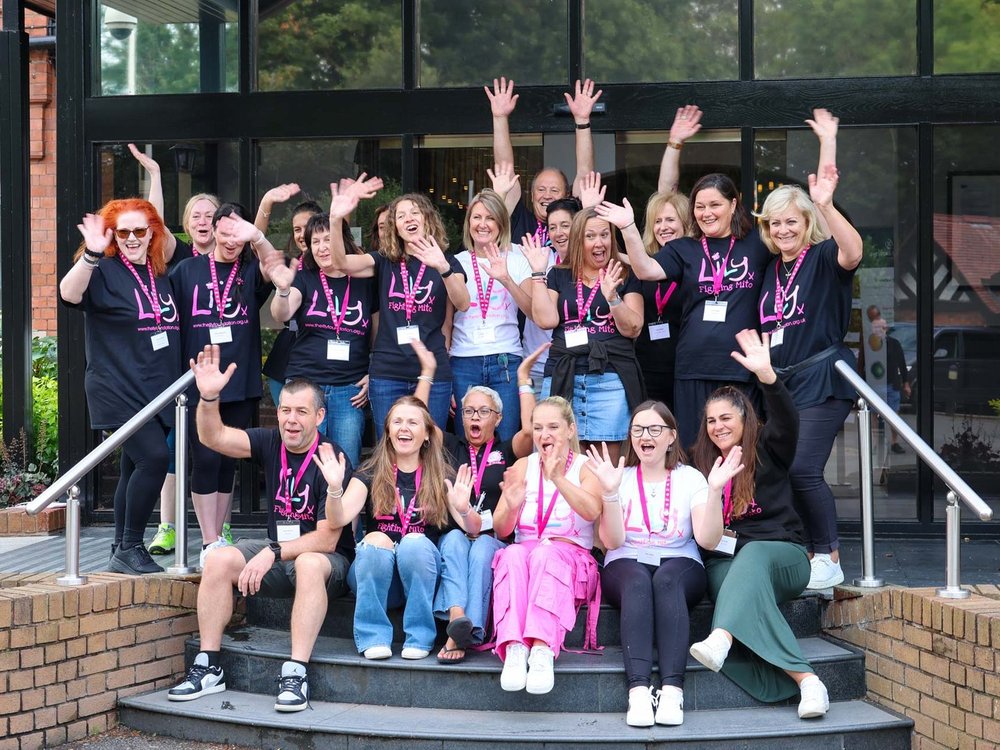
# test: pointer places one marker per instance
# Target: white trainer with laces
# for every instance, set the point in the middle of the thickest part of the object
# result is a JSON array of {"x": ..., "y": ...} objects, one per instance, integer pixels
[
  {"x": 201, "y": 679},
  {"x": 541, "y": 675},
  {"x": 815, "y": 701},
  {"x": 712, "y": 651},
  {"x": 825, "y": 573},
  {"x": 293, "y": 688},
  {"x": 640, "y": 707},
  {"x": 670, "y": 706},
  {"x": 515, "y": 668},
  {"x": 220, "y": 542}
]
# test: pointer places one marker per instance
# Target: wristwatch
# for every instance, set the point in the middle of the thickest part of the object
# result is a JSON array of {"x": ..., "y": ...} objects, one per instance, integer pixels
[{"x": 276, "y": 549}]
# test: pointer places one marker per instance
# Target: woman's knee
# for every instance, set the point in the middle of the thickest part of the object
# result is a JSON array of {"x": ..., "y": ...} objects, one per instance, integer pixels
[
  {"x": 483, "y": 550},
  {"x": 454, "y": 544},
  {"x": 377, "y": 539},
  {"x": 414, "y": 549}
]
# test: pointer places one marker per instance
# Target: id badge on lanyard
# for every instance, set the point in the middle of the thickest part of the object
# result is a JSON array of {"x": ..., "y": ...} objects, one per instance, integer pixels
[
  {"x": 337, "y": 350},
  {"x": 576, "y": 337},
  {"x": 715, "y": 311},
  {"x": 220, "y": 335},
  {"x": 777, "y": 337},
  {"x": 659, "y": 331},
  {"x": 159, "y": 341},
  {"x": 727, "y": 545},
  {"x": 406, "y": 334}
]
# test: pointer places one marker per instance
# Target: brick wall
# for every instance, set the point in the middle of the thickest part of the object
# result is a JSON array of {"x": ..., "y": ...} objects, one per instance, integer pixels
[
  {"x": 934, "y": 660},
  {"x": 67, "y": 654}
]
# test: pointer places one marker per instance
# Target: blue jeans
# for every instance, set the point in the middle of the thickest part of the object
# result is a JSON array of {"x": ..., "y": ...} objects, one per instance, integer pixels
[
  {"x": 382, "y": 579},
  {"x": 343, "y": 423},
  {"x": 383, "y": 393},
  {"x": 499, "y": 372},
  {"x": 467, "y": 577}
]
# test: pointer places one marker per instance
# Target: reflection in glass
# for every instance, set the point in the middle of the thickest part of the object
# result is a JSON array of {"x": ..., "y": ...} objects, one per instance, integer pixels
[
  {"x": 877, "y": 192},
  {"x": 329, "y": 44},
  {"x": 166, "y": 49},
  {"x": 966, "y": 36},
  {"x": 661, "y": 40},
  {"x": 472, "y": 42},
  {"x": 966, "y": 341},
  {"x": 820, "y": 39}
]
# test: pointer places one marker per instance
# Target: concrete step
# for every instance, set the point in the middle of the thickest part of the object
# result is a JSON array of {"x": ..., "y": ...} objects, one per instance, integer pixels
[
  {"x": 250, "y": 719},
  {"x": 803, "y": 615},
  {"x": 252, "y": 660}
]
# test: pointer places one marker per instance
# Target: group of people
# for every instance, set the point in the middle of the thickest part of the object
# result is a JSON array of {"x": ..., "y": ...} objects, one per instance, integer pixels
[{"x": 673, "y": 405}]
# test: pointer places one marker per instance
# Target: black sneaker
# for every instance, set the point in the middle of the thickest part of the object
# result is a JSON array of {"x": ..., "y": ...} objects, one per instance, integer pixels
[
  {"x": 133, "y": 561},
  {"x": 293, "y": 688},
  {"x": 201, "y": 680}
]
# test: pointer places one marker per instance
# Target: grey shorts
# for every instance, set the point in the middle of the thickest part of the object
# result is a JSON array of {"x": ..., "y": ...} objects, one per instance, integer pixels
[{"x": 279, "y": 581}]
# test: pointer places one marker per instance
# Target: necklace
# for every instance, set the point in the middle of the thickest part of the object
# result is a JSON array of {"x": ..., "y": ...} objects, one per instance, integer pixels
[{"x": 788, "y": 267}]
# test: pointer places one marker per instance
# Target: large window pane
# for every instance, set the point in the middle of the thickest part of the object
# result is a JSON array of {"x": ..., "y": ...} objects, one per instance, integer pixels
[
  {"x": 966, "y": 36},
  {"x": 822, "y": 39},
  {"x": 877, "y": 192},
  {"x": 472, "y": 42},
  {"x": 329, "y": 44},
  {"x": 166, "y": 48},
  {"x": 661, "y": 40},
  {"x": 966, "y": 270}
]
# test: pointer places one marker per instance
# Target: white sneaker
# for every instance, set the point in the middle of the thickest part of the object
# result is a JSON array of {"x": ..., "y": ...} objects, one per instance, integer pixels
[
  {"x": 412, "y": 652},
  {"x": 712, "y": 651},
  {"x": 201, "y": 679},
  {"x": 515, "y": 668},
  {"x": 825, "y": 572},
  {"x": 541, "y": 676},
  {"x": 670, "y": 707},
  {"x": 293, "y": 688},
  {"x": 815, "y": 700},
  {"x": 220, "y": 542},
  {"x": 378, "y": 652},
  {"x": 640, "y": 708}
]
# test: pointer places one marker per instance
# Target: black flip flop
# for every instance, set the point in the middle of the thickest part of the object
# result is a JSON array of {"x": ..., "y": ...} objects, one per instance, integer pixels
[
  {"x": 442, "y": 660},
  {"x": 460, "y": 631}
]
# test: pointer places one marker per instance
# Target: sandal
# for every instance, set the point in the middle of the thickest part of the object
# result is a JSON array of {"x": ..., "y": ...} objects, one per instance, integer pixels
[
  {"x": 460, "y": 631},
  {"x": 442, "y": 656}
]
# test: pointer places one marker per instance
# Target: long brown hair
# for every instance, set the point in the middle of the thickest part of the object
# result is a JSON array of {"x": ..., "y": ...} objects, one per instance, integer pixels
[
  {"x": 740, "y": 224},
  {"x": 432, "y": 498},
  {"x": 704, "y": 452},
  {"x": 675, "y": 454},
  {"x": 433, "y": 226},
  {"x": 574, "y": 253},
  {"x": 110, "y": 212}
]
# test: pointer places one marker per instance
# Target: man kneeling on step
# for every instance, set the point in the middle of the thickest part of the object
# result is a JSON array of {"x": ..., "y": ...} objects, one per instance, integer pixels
[{"x": 303, "y": 557}]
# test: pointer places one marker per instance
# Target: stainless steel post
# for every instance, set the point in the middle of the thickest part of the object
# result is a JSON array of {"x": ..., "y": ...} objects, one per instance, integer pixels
[
  {"x": 867, "y": 579},
  {"x": 72, "y": 577},
  {"x": 953, "y": 538},
  {"x": 180, "y": 566}
]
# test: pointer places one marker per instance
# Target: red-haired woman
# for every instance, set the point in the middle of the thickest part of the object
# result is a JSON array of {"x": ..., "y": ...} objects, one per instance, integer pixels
[{"x": 133, "y": 352}]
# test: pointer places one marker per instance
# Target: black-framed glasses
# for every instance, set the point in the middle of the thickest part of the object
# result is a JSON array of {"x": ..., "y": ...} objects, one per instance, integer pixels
[
  {"x": 483, "y": 412},
  {"x": 139, "y": 233},
  {"x": 654, "y": 430}
]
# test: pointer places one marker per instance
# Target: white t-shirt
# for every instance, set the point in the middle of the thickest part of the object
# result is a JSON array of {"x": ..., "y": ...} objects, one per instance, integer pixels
[
  {"x": 473, "y": 336},
  {"x": 534, "y": 336},
  {"x": 671, "y": 534},
  {"x": 562, "y": 520}
]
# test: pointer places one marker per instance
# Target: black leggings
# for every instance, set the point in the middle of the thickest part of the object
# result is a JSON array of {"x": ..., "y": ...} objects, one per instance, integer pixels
[
  {"x": 143, "y": 467},
  {"x": 659, "y": 598},
  {"x": 211, "y": 471}
]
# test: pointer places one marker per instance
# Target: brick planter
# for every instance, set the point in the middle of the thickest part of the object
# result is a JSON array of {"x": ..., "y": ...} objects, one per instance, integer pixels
[{"x": 16, "y": 522}]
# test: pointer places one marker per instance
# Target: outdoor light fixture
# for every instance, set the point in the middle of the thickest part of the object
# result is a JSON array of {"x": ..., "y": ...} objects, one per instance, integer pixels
[{"x": 184, "y": 157}]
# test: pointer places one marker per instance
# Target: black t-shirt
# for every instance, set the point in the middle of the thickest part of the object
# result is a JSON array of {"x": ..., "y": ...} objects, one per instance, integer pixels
[
  {"x": 816, "y": 314},
  {"x": 182, "y": 251},
  {"x": 124, "y": 370},
  {"x": 661, "y": 306},
  {"x": 310, "y": 356},
  {"x": 392, "y": 525},
  {"x": 596, "y": 318},
  {"x": 523, "y": 221},
  {"x": 196, "y": 298},
  {"x": 703, "y": 347},
  {"x": 499, "y": 458},
  {"x": 290, "y": 500},
  {"x": 390, "y": 360}
]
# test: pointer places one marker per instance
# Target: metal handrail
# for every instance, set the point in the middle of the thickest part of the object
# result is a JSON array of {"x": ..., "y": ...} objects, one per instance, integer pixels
[
  {"x": 67, "y": 483},
  {"x": 957, "y": 487}
]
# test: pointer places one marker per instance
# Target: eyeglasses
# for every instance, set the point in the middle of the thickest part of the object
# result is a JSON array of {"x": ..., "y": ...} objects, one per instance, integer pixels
[
  {"x": 484, "y": 412},
  {"x": 139, "y": 233},
  {"x": 654, "y": 430}
]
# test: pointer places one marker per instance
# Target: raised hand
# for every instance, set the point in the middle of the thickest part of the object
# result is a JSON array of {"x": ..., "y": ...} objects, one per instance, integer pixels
[
  {"x": 524, "y": 369},
  {"x": 581, "y": 104},
  {"x": 333, "y": 466},
  {"x": 612, "y": 279},
  {"x": 428, "y": 362},
  {"x": 621, "y": 216},
  {"x": 342, "y": 204},
  {"x": 146, "y": 162},
  {"x": 535, "y": 253},
  {"x": 96, "y": 236},
  {"x": 686, "y": 123},
  {"x": 280, "y": 193},
  {"x": 282, "y": 275},
  {"x": 591, "y": 190},
  {"x": 503, "y": 178},
  {"x": 823, "y": 185},
  {"x": 239, "y": 228},
  {"x": 207, "y": 376},
  {"x": 429, "y": 252},
  {"x": 756, "y": 356},
  {"x": 553, "y": 464},
  {"x": 497, "y": 263},
  {"x": 512, "y": 489},
  {"x": 460, "y": 490},
  {"x": 364, "y": 187},
  {"x": 502, "y": 97},
  {"x": 608, "y": 473},
  {"x": 725, "y": 469},
  {"x": 824, "y": 124}
]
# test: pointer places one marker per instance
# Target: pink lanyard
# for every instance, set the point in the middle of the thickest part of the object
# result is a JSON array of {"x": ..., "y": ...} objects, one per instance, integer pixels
[
  {"x": 286, "y": 475},
  {"x": 781, "y": 293},
  {"x": 484, "y": 300},
  {"x": 727, "y": 505},
  {"x": 338, "y": 320},
  {"x": 718, "y": 273},
  {"x": 223, "y": 300},
  {"x": 642, "y": 498},
  {"x": 410, "y": 293},
  {"x": 541, "y": 233},
  {"x": 661, "y": 302},
  {"x": 542, "y": 522},
  {"x": 405, "y": 516},
  {"x": 151, "y": 293},
  {"x": 482, "y": 469},
  {"x": 580, "y": 306}
]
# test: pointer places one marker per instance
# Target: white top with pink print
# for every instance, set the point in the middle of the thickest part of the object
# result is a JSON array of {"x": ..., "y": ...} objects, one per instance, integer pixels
[{"x": 563, "y": 521}]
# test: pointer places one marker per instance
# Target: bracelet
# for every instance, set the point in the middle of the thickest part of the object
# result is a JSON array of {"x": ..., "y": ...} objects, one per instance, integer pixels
[
  {"x": 627, "y": 226},
  {"x": 209, "y": 400},
  {"x": 264, "y": 213},
  {"x": 88, "y": 262},
  {"x": 675, "y": 144},
  {"x": 582, "y": 126},
  {"x": 466, "y": 514},
  {"x": 541, "y": 278},
  {"x": 610, "y": 498},
  {"x": 448, "y": 273},
  {"x": 538, "y": 274},
  {"x": 92, "y": 253},
  {"x": 426, "y": 379},
  {"x": 287, "y": 292},
  {"x": 614, "y": 302},
  {"x": 526, "y": 390},
  {"x": 331, "y": 493}
]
